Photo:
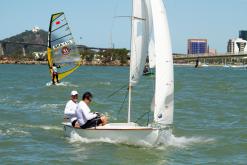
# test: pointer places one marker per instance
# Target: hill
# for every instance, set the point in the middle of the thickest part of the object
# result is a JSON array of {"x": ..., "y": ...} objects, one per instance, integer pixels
[{"x": 28, "y": 36}]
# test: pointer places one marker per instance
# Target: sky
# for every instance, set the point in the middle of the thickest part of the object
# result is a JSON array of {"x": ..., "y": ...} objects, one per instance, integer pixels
[{"x": 95, "y": 23}]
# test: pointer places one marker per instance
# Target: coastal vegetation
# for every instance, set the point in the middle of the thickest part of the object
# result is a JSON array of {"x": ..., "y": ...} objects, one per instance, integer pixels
[{"x": 35, "y": 50}]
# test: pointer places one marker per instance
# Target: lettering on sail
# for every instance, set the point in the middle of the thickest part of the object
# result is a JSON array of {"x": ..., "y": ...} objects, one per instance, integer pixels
[{"x": 69, "y": 42}]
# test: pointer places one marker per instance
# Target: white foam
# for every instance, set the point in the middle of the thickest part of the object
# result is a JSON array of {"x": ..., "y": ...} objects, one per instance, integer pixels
[
  {"x": 166, "y": 139},
  {"x": 51, "y": 106},
  {"x": 63, "y": 83},
  {"x": 13, "y": 131},
  {"x": 74, "y": 137},
  {"x": 3, "y": 100},
  {"x": 105, "y": 83},
  {"x": 182, "y": 142},
  {"x": 45, "y": 127}
]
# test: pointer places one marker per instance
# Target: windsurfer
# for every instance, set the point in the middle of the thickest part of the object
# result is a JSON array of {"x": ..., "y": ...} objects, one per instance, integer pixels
[
  {"x": 70, "y": 108},
  {"x": 85, "y": 117},
  {"x": 55, "y": 73},
  {"x": 197, "y": 62}
]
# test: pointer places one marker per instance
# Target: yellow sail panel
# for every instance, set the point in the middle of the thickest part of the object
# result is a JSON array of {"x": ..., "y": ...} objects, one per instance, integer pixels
[
  {"x": 63, "y": 75},
  {"x": 49, "y": 59},
  {"x": 54, "y": 16}
]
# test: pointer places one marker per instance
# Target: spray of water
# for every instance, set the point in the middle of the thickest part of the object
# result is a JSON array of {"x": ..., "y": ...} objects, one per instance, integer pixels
[{"x": 65, "y": 84}]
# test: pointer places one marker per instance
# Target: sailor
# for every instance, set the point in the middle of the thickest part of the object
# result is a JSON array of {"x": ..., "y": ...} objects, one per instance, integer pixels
[
  {"x": 197, "y": 62},
  {"x": 85, "y": 117},
  {"x": 70, "y": 108},
  {"x": 54, "y": 73},
  {"x": 146, "y": 69}
]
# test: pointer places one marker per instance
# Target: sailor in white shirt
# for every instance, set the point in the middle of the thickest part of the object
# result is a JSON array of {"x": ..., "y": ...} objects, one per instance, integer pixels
[
  {"x": 85, "y": 117},
  {"x": 70, "y": 108}
]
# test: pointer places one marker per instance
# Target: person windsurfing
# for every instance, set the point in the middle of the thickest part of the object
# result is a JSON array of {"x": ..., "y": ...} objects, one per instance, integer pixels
[
  {"x": 55, "y": 73},
  {"x": 197, "y": 62}
]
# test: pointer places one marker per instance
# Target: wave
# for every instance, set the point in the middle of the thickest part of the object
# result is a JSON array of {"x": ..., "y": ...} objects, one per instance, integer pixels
[
  {"x": 65, "y": 84},
  {"x": 2, "y": 100},
  {"x": 45, "y": 127},
  {"x": 77, "y": 138},
  {"x": 182, "y": 142},
  {"x": 51, "y": 106},
  {"x": 105, "y": 83},
  {"x": 13, "y": 131},
  {"x": 167, "y": 139}
]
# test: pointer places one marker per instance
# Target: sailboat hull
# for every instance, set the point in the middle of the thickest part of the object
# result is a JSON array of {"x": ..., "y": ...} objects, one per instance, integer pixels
[{"x": 128, "y": 133}]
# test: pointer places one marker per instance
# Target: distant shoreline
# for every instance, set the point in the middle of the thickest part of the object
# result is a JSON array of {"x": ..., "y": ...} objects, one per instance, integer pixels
[
  {"x": 34, "y": 62},
  {"x": 83, "y": 63},
  {"x": 30, "y": 62}
]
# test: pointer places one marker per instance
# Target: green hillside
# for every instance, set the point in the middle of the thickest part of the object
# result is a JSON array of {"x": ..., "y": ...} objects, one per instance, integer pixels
[{"x": 39, "y": 37}]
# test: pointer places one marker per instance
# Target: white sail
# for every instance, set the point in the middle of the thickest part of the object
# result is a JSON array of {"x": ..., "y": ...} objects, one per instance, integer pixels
[
  {"x": 151, "y": 50},
  {"x": 139, "y": 41},
  {"x": 150, "y": 34},
  {"x": 163, "y": 61}
]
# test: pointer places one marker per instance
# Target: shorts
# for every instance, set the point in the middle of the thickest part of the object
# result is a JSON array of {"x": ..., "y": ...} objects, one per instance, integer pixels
[{"x": 92, "y": 123}]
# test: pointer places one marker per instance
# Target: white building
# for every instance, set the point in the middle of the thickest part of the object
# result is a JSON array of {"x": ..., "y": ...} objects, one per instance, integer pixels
[
  {"x": 39, "y": 55},
  {"x": 237, "y": 45},
  {"x": 35, "y": 29}
]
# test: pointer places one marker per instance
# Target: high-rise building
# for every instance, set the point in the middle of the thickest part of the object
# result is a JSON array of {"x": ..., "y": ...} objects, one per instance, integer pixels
[
  {"x": 197, "y": 46},
  {"x": 237, "y": 45},
  {"x": 243, "y": 34}
]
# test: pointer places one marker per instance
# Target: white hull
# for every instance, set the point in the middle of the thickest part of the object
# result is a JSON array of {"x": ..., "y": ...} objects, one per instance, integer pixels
[
  {"x": 127, "y": 133},
  {"x": 204, "y": 65},
  {"x": 238, "y": 66}
]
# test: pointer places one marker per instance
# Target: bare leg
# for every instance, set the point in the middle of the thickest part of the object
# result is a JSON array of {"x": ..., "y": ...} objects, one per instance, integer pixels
[
  {"x": 57, "y": 78},
  {"x": 53, "y": 79},
  {"x": 104, "y": 120}
]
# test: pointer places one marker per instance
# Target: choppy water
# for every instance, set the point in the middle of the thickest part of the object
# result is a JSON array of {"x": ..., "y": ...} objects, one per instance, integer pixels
[{"x": 209, "y": 122}]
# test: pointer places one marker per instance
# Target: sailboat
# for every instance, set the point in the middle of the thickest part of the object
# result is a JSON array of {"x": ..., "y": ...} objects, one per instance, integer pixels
[
  {"x": 149, "y": 37},
  {"x": 61, "y": 49}
]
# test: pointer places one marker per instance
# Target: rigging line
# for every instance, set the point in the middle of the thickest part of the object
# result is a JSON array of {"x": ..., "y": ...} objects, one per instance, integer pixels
[
  {"x": 117, "y": 91},
  {"x": 61, "y": 37},
  {"x": 121, "y": 107},
  {"x": 142, "y": 116},
  {"x": 59, "y": 27},
  {"x": 113, "y": 23}
]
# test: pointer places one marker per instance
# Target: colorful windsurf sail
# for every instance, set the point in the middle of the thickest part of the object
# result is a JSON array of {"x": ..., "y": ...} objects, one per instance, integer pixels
[{"x": 62, "y": 49}]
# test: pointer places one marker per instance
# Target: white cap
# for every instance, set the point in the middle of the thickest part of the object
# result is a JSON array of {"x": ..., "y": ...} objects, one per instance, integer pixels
[{"x": 73, "y": 93}]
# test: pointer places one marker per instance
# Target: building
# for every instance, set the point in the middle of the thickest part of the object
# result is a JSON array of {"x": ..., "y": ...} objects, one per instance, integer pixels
[
  {"x": 237, "y": 45},
  {"x": 35, "y": 29},
  {"x": 197, "y": 46},
  {"x": 243, "y": 34},
  {"x": 212, "y": 51}
]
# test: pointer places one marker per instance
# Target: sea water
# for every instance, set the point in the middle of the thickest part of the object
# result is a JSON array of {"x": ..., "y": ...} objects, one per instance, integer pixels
[{"x": 210, "y": 117}]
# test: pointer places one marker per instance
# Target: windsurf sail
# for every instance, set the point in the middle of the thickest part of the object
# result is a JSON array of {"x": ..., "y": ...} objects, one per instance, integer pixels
[{"x": 62, "y": 49}]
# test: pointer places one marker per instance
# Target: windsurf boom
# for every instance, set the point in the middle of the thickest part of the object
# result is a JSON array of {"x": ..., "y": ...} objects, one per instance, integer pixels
[{"x": 61, "y": 46}]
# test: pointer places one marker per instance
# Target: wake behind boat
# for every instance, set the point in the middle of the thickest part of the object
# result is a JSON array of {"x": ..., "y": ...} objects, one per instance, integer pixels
[
  {"x": 62, "y": 50},
  {"x": 150, "y": 37}
]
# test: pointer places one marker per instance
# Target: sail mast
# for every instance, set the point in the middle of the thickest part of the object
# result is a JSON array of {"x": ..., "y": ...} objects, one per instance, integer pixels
[{"x": 131, "y": 51}]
